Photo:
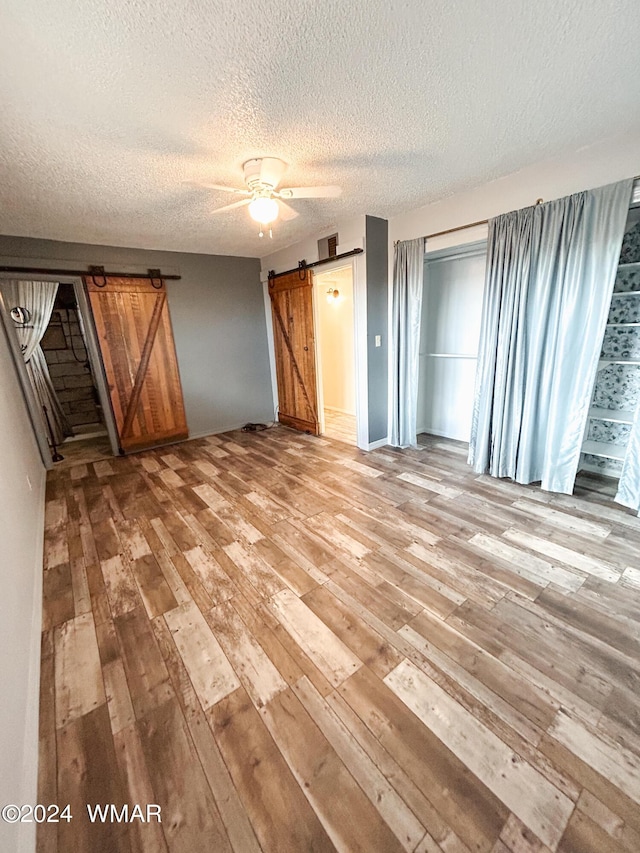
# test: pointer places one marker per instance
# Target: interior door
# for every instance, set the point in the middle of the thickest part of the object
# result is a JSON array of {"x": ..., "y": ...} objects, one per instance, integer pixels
[
  {"x": 132, "y": 321},
  {"x": 294, "y": 343}
]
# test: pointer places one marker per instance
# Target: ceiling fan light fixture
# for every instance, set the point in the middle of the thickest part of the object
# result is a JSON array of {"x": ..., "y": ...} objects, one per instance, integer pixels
[{"x": 263, "y": 210}]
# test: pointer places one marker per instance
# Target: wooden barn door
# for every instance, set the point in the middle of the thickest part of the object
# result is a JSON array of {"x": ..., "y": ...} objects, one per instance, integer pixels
[
  {"x": 294, "y": 343},
  {"x": 136, "y": 342}
]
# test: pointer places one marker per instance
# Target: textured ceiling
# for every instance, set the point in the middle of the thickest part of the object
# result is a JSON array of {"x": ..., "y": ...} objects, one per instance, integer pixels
[{"x": 110, "y": 106}]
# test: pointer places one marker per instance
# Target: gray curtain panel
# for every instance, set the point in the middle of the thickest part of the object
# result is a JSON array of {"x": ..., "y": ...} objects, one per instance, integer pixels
[
  {"x": 550, "y": 275},
  {"x": 38, "y": 297},
  {"x": 408, "y": 272}
]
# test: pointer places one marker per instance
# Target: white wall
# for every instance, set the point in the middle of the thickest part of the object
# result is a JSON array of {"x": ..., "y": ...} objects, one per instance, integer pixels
[
  {"x": 335, "y": 321},
  {"x": 610, "y": 160},
  {"x": 22, "y": 485},
  {"x": 350, "y": 234}
]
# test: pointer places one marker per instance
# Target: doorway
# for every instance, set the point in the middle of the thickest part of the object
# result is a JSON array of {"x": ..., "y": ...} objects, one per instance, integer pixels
[
  {"x": 449, "y": 335},
  {"x": 66, "y": 352},
  {"x": 335, "y": 344},
  {"x": 74, "y": 428}
]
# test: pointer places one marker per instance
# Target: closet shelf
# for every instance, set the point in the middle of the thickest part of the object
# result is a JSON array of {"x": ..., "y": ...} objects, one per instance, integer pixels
[
  {"x": 603, "y": 448},
  {"x": 615, "y": 416}
]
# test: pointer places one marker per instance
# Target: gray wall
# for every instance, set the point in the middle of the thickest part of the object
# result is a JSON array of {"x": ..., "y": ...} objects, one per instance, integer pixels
[
  {"x": 217, "y": 312},
  {"x": 376, "y": 236},
  {"x": 21, "y": 533}
]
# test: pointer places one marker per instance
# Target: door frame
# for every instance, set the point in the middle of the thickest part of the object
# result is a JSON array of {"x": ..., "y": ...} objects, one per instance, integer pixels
[
  {"x": 327, "y": 270},
  {"x": 359, "y": 278},
  {"x": 476, "y": 248},
  {"x": 93, "y": 354}
]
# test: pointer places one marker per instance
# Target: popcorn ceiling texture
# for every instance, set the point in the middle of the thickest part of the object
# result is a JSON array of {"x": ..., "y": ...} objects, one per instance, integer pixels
[{"x": 110, "y": 105}]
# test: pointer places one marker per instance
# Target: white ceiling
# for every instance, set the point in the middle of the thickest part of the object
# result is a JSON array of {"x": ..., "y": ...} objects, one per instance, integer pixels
[{"x": 109, "y": 106}]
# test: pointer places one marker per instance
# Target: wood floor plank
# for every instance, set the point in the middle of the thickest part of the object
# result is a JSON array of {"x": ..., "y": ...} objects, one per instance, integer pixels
[
  {"x": 120, "y": 585},
  {"x": 259, "y": 676},
  {"x": 211, "y": 574},
  {"x": 145, "y": 837},
  {"x": 618, "y": 765},
  {"x": 210, "y": 671},
  {"x": 58, "y": 603},
  {"x": 147, "y": 676},
  {"x": 543, "y": 808},
  {"x": 179, "y": 784},
  {"x": 565, "y": 555},
  {"x": 463, "y": 800},
  {"x": 398, "y": 816},
  {"x": 327, "y": 651},
  {"x": 294, "y": 645},
  {"x": 583, "y": 835},
  {"x": 118, "y": 698},
  {"x": 368, "y": 646},
  {"x": 412, "y": 795},
  {"x": 88, "y": 773},
  {"x": 78, "y": 673},
  {"x": 280, "y": 814},
  {"x": 347, "y": 815},
  {"x": 154, "y": 589},
  {"x": 231, "y": 808}
]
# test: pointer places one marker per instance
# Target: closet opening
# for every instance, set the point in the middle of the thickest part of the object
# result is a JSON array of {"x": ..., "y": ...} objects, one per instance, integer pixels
[
  {"x": 335, "y": 353},
  {"x": 449, "y": 334},
  {"x": 59, "y": 370},
  {"x": 616, "y": 390}
]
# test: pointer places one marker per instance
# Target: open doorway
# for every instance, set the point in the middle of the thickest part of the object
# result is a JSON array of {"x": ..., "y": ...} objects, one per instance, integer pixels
[
  {"x": 336, "y": 353},
  {"x": 449, "y": 335},
  {"x": 65, "y": 349},
  {"x": 56, "y": 370}
]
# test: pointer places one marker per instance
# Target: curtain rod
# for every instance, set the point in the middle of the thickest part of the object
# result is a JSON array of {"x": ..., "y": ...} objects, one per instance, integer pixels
[
  {"x": 303, "y": 265},
  {"x": 91, "y": 271},
  {"x": 459, "y": 227},
  {"x": 486, "y": 221}
]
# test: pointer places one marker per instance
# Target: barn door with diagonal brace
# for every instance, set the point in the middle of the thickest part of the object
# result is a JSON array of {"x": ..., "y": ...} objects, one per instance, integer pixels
[
  {"x": 138, "y": 353},
  {"x": 294, "y": 343}
]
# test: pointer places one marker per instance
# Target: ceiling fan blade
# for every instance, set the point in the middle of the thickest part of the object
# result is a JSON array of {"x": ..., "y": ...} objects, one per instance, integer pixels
[
  {"x": 208, "y": 186},
  {"x": 311, "y": 192},
  {"x": 232, "y": 206},
  {"x": 286, "y": 212}
]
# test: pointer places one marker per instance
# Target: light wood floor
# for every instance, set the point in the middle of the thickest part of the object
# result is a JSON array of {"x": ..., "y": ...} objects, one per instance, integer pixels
[
  {"x": 290, "y": 645},
  {"x": 84, "y": 450},
  {"x": 340, "y": 426}
]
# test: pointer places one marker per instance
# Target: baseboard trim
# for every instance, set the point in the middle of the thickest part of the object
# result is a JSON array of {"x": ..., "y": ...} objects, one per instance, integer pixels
[
  {"x": 29, "y": 782},
  {"x": 339, "y": 411},
  {"x": 440, "y": 434},
  {"x": 374, "y": 445},
  {"x": 225, "y": 429}
]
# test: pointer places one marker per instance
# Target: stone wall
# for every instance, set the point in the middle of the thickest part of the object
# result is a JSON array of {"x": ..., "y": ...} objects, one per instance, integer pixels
[{"x": 71, "y": 378}]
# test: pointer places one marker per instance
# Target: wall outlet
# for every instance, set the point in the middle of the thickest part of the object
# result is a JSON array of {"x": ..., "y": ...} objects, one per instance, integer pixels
[{"x": 378, "y": 340}]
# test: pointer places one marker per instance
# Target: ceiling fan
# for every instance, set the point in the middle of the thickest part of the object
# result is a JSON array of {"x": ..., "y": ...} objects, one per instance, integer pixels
[{"x": 262, "y": 175}]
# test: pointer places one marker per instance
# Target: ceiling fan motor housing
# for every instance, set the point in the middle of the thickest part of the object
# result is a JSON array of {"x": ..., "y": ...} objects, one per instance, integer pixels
[{"x": 263, "y": 173}]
